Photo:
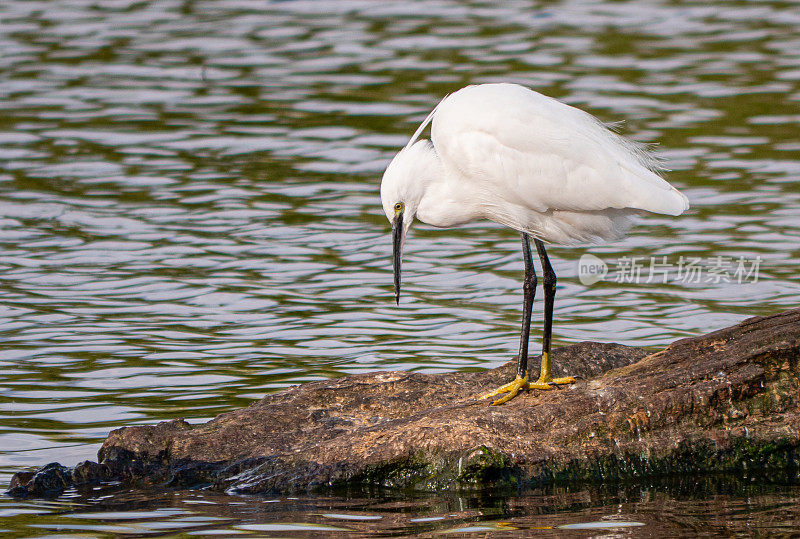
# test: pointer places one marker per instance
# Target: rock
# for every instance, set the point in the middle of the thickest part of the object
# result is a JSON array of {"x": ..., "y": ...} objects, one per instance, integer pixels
[
  {"x": 726, "y": 401},
  {"x": 50, "y": 480},
  {"x": 87, "y": 472},
  {"x": 19, "y": 480}
]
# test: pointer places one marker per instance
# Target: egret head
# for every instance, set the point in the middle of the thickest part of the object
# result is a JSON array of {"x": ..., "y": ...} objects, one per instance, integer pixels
[{"x": 402, "y": 188}]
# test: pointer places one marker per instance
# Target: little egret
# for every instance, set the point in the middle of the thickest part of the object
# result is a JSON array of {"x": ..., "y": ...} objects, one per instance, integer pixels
[{"x": 508, "y": 154}]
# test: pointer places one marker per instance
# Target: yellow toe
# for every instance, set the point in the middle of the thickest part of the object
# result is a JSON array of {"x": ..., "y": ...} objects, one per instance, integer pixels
[
  {"x": 552, "y": 383},
  {"x": 510, "y": 390}
]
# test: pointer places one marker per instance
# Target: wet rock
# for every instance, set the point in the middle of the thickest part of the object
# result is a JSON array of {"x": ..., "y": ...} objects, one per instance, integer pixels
[
  {"x": 726, "y": 401},
  {"x": 20, "y": 479},
  {"x": 50, "y": 480},
  {"x": 87, "y": 472}
]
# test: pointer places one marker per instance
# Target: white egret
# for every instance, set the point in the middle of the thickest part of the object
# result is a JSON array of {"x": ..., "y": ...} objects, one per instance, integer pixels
[{"x": 508, "y": 154}]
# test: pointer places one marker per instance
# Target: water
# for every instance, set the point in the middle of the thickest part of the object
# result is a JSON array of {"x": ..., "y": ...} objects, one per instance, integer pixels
[
  {"x": 708, "y": 508},
  {"x": 189, "y": 213}
]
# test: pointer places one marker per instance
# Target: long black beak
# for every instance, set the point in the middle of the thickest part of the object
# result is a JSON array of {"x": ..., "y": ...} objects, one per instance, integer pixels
[{"x": 397, "y": 247}]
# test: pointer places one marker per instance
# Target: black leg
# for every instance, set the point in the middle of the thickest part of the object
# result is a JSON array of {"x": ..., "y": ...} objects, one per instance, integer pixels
[
  {"x": 528, "y": 293},
  {"x": 549, "y": 286},
  {"x": 546, "y": 380}
]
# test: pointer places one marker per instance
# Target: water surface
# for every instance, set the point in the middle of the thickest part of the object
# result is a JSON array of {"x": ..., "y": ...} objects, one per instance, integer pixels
[{"x": 711, "y": 507}]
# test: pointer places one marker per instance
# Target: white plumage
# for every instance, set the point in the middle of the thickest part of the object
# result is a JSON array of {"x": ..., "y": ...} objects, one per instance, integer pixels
[
  {"x": 511, "y": 155},
  {"x": 508, "y": 154}
]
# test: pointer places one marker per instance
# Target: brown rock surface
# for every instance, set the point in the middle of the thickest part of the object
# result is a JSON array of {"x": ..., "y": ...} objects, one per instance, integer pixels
[{"x": 726, "y": 401}]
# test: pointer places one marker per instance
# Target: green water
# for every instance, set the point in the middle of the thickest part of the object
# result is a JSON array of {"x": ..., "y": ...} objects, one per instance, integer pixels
[{"x": 189, "y": 213}]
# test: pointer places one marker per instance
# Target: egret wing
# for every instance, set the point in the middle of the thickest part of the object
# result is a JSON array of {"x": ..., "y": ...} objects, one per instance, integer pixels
[{"x": 509, "y": 143}]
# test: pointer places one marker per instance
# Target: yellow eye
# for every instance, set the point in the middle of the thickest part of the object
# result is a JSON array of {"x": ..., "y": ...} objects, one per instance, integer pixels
[{"x": 398, "y": 207}]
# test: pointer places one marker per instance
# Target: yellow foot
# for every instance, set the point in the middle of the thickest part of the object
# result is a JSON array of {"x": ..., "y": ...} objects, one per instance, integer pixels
[
  {"x": 552, "y": 383},
  {"x": 511, "y": 389},
  {"x": 519, "y": 384}
]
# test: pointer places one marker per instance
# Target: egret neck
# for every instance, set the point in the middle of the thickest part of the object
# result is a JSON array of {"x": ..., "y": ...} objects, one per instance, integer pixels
[{"x": 428, "y": 192}]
